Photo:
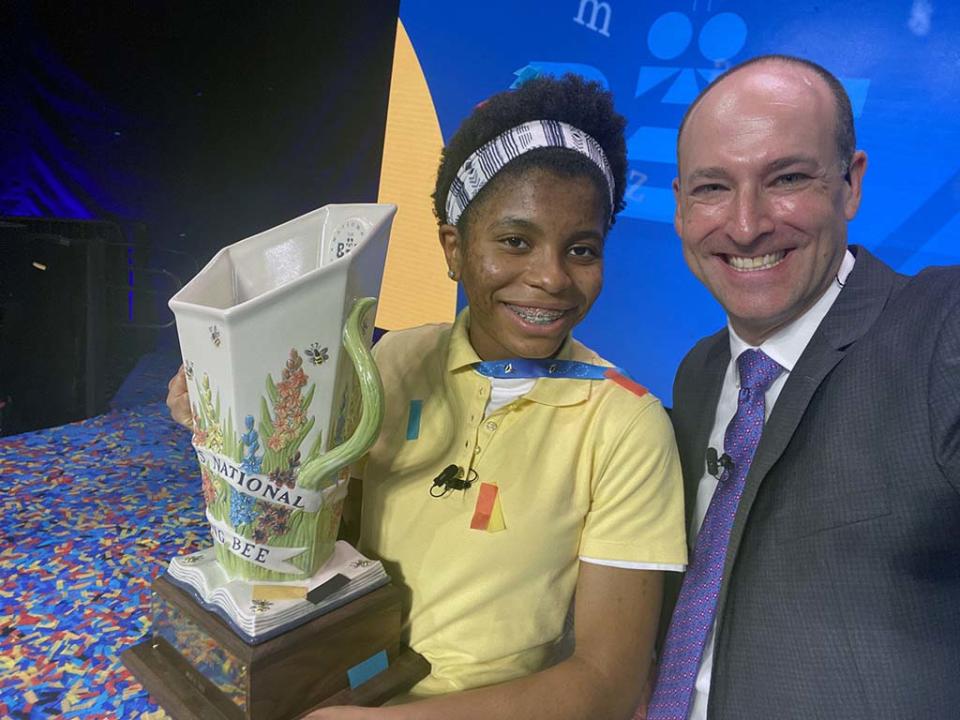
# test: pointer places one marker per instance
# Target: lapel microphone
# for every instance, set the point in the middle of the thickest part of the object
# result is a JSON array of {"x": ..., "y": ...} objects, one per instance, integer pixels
[
  {"x": 714, "y": 463},
  {"x": 451, "y": 478}
]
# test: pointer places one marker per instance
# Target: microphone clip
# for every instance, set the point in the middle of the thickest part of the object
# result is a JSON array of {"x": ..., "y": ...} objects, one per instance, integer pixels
[
  {"x": 714, "y": 463},
  {"x": 451, "y": 478}
]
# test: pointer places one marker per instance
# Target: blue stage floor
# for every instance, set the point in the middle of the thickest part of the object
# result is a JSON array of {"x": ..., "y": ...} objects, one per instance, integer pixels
[{"x": 91, "y": 511}]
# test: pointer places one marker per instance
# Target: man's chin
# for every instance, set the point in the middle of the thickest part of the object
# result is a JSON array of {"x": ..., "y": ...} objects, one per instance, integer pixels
[{"x": 755, "y": 328}]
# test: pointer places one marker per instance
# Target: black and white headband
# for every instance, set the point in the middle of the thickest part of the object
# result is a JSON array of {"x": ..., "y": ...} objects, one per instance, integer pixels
[{"x": 485, "y": 162}]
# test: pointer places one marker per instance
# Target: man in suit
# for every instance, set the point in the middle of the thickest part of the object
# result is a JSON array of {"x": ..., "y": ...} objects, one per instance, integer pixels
[{"x": 819, "y": 432}]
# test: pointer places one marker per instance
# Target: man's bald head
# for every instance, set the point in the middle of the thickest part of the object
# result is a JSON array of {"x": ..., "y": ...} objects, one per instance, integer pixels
[{"x": 845, "y": 134}]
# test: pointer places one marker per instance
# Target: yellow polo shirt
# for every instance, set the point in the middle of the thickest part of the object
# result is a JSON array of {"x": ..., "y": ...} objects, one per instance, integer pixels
[{"x": 582, "y": 468}]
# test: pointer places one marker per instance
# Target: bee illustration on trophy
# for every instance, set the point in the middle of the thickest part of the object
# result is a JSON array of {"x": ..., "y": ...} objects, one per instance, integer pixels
[{"x": 318, "y": 355}]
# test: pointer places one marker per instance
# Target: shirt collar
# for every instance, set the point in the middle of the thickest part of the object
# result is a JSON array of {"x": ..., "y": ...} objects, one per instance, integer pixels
[
  {"x": 547, "y": 391},
  {"x": 787, "y": 344},
  {"x": 461, "y": 353}
]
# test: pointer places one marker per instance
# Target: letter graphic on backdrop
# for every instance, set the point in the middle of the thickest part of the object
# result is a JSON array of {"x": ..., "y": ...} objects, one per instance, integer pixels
[{"x": 596, "y": 8}]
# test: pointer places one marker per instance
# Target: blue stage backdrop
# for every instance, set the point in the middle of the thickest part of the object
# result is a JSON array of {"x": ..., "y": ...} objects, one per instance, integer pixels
[{"x": 898, "y": 60}]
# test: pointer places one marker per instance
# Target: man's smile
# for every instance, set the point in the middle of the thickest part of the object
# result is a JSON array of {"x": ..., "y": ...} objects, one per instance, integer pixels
[{"x": 742, "y": 263}]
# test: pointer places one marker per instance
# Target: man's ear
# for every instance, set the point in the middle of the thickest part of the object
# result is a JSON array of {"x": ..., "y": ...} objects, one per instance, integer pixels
[
  {"x": 854, "y": 178},
  {"x": 452, "y": 244}
]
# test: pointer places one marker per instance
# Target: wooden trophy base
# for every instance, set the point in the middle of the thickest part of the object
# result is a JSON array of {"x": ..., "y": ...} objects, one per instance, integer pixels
[{"x": 195, "y": 666}]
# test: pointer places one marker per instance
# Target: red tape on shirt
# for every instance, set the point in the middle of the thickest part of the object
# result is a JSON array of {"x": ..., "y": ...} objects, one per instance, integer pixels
[
  {"x": 625, "y": 382},
  {"x": 484, "y": 509}
]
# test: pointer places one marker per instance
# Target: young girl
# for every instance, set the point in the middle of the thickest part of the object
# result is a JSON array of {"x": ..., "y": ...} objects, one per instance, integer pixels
[{"x": 516, "y": 468}]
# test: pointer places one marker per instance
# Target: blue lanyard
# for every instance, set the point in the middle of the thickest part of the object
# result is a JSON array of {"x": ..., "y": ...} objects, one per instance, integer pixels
[{"x": 536, "y": 368}]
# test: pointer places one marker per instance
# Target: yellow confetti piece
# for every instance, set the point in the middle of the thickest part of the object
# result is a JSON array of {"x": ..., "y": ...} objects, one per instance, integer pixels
[{"x": 159, "y": 715}]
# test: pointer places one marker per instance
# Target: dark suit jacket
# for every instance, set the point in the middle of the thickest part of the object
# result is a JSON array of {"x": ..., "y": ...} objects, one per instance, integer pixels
[{"x": 841, "y": 590}]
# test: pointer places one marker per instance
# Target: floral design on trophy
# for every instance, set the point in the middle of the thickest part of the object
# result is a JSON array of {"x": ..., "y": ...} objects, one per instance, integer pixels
[{"x": 251, "y": 480}]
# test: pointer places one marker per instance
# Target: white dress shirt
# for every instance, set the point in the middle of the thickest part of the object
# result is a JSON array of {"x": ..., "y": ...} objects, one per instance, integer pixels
[{"x": 785, "y": 347}]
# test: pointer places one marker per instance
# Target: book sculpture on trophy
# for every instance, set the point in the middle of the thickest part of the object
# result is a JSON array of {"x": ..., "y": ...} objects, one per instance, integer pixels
[{"x": 278, "y": 616}]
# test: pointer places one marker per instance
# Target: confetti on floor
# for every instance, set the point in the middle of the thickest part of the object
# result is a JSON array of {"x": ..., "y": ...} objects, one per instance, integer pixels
[{"x": 91, "y": 513}]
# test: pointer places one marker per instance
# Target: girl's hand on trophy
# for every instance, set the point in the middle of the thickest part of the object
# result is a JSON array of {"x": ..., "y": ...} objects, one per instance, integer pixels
[{"x": 177, "y": 399}]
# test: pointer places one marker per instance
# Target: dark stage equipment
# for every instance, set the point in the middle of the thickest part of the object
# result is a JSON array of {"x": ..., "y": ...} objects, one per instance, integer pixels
[{"x": 71, "y": 323}]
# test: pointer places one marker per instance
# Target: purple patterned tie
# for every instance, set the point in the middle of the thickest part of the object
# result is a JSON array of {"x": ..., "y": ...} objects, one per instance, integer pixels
[{"x": 697, "y": 603}]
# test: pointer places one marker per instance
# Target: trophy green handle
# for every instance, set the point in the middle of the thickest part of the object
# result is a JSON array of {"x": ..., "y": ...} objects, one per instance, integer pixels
[{"x": 313, "y": 472}]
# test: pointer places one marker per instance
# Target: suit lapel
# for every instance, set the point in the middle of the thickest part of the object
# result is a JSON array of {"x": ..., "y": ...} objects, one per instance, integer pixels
[
  {"x": 708, "y": 395},
  {"x": 700, "y": 382},
  {"x": 856, "y": 309}
]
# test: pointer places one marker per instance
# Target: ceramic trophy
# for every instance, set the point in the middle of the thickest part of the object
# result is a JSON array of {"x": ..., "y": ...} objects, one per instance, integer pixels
[{"x": 275, "y": 334}]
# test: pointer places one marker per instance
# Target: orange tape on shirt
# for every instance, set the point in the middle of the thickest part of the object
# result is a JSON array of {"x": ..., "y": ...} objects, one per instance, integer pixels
[
  {"x": 484, "y": 509},
  {"x": 625, "y": 382}
]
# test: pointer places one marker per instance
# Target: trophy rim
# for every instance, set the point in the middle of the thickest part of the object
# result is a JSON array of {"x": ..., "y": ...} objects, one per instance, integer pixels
[{"x": 240, "y": 309}]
